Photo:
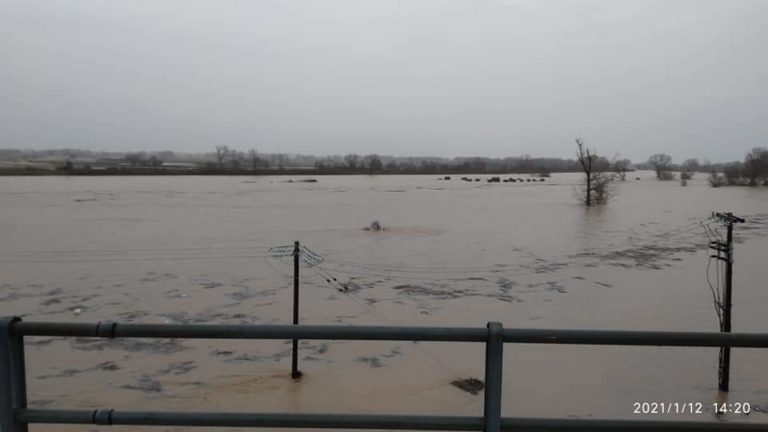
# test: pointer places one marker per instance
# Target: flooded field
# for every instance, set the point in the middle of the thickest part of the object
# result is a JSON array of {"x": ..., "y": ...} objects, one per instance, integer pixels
[{"x": 195, "y": 250}]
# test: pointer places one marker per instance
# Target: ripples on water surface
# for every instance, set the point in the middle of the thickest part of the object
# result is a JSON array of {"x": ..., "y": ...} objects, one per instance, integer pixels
[{"x": 194, "y": 249}]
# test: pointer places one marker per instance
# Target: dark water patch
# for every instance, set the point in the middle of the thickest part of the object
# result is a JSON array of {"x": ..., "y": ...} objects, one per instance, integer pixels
[
  {"x": 40, "y": 342},
  {"x": 373, "y": 362},
  {"x": 175, "y": 293},
  {"x": 208, "y": 317},
  {"x": 107, "y": 366},
  {"x": 542, "y": 266},
  {"x": 505, "y": 284},
  {"x": 506, "y": 298},
  {"x": 556, "y": 287},
  {"x": 306, "y": 348},
  {"x": 145, "y": 384},
  {"x": 155, "y": 277},
  {"x": 433, "y": 292},
  {"x": 472, "y": 386},
  {"x": 648, "y": 257},
  {"x": 222, "y": 353},
  {"x": 250, "y": 293},
  {"x": 50, "y": 302},
  {"x": 15, "y": 295},
  {"x": 345, "y": 318},
  {"x": 132, "y": 315},
  {"x": 63, "y": 374},
  {"x": 178, "y": 368},
  {"x": 157, "y": 346},
  {"x": 755, "y": 224},
  {"x": 351, "y": 286},
  {"x": 394, "y": 352},
  {"x": 244, "y": 357},
  {"x": 551, "y": 286}
]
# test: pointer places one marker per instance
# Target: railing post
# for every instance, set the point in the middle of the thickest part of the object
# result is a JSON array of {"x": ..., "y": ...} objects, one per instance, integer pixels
[
  {"x": 494, "y": 362},
  {"x": 13, "y": 384}
]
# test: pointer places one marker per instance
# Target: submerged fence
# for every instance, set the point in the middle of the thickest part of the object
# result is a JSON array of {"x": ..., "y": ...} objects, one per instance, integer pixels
[{"x": 15, "y": 416}]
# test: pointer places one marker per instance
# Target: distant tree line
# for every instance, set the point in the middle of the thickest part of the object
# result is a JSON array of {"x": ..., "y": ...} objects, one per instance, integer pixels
[
  {"x": 752, "y": 172},
  {"x": 376, "y": 164}
]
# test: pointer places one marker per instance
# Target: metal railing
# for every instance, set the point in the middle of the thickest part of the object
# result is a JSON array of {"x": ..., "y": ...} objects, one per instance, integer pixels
[{"x": 15, "y": 416}]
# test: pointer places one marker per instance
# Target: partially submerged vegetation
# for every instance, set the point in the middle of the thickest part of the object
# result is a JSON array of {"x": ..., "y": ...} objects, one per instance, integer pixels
[
  {"x": 752, "y": 172},
  {"x": 596, "y": 188}
]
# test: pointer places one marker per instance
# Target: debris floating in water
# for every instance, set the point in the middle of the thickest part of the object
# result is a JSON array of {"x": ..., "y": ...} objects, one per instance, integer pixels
[
  {"x": 375, "y": 226},
  {"x": 469, "y": 385}
]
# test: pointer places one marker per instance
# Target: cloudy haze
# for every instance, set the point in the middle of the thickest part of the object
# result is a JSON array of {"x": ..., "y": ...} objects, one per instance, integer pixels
[{"x": 443, "y": 78}]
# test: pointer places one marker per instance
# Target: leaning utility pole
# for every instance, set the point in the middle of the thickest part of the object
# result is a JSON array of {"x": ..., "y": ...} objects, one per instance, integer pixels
[{"x": 725, "y": 253}]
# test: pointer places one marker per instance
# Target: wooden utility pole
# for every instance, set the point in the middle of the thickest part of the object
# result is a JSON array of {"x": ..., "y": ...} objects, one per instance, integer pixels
[
  {"x": 724, "y": 366},
  {"x": 295, "y": 372}
]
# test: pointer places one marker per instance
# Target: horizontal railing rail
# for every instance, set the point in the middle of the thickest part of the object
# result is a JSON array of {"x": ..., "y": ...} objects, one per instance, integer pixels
[
  {"x": 390, "y": 333},
  {"x": 362, "y": 421},
  {"x": 15, "y": 416}
]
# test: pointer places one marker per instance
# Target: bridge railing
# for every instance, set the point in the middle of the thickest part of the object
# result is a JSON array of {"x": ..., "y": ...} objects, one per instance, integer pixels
[{"x": 15, "y": 416}]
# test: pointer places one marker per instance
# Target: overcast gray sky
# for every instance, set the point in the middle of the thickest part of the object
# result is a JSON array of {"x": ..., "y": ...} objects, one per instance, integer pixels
[{"x": 415, "y": 77}]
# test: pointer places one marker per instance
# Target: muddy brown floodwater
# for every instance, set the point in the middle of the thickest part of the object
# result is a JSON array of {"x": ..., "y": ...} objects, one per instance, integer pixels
[{"x": 453, "y": 253}]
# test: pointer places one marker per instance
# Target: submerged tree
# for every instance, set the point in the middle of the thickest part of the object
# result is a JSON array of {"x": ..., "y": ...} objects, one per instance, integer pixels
[
  {"x": 221, "y": 153},
  {"x": 716, "y": 180},
  {"x": 620, "y": 167},
  {"x": 596, "y": 186},
  {"x": 662, "y": 164},
  {"x": 756, "y": 166},
  {"x": 688, "y": 168}
]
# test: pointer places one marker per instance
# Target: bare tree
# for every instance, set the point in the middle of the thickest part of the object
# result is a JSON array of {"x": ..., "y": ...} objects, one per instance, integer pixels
[
  {"x": 256, "y": 161},
  {"x": 688, "y": 168},
  {"x": 620, "y": 167},
  {"x": 221, "y": 153},
  {"x": 352, "y": 160},
  {"x": 373, "y": 162},
  {"x": 662, "y": 164},
  {"x": 596, "y": 187},
  {"x": 236, "y": 159},
  {"x": 756, "y": 166}
]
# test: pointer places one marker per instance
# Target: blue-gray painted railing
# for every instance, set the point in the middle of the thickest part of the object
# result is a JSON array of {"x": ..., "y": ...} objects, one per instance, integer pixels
[{"x": 15, "y": 416}]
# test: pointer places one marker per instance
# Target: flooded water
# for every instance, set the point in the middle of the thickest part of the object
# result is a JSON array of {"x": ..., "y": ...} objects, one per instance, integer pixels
[{"x": 195, "y": 250}]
